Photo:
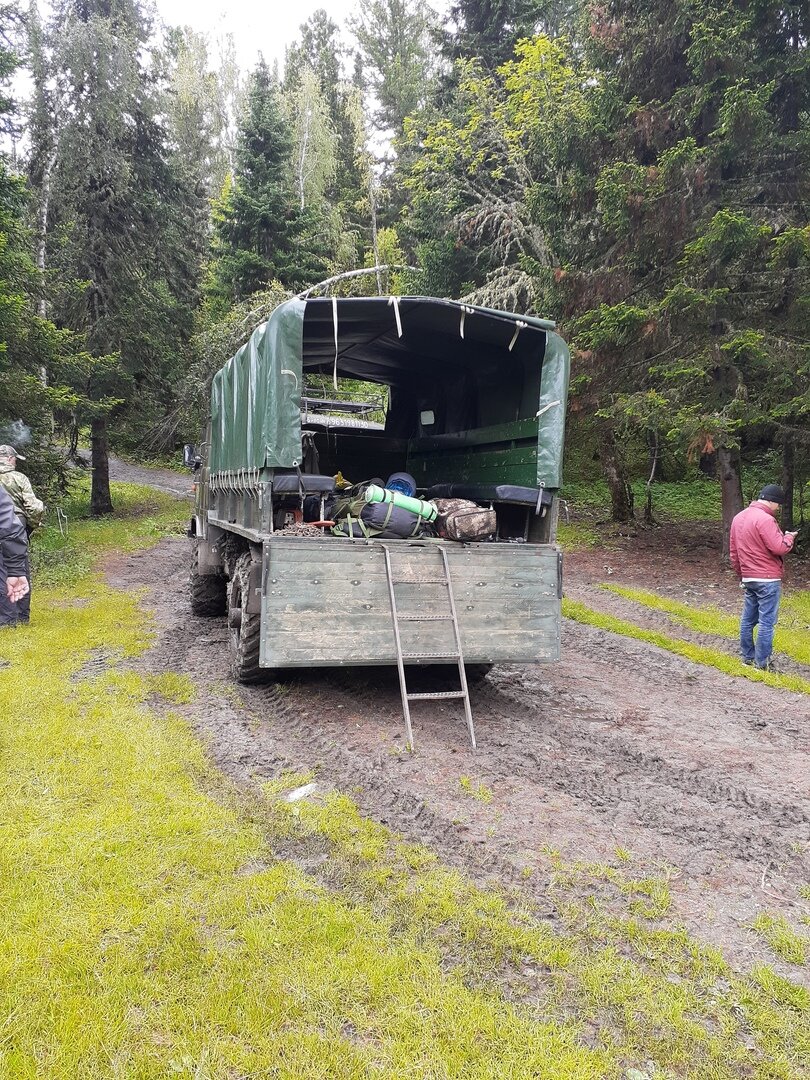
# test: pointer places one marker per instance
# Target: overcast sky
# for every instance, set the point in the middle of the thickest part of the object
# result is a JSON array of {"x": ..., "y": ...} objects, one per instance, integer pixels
[{"x": 257, "y": 27}]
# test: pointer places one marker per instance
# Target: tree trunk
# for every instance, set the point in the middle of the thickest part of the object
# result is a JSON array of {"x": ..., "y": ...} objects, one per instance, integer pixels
[
  {"x": 708, "y": 464},
  {"x": 100, "y": 498},
  {"x": 303, "y": 161},
  {"x": 788, "y": 470},
  {"x": 728, "y": 468},
  {"x": 653, "y": 445},
  {"x": 42, "y": 242},
  {"x": 42, "y": 132},
  {"x": 375, "y": 247},
  {"x": 42, "y": 229},
  {"x": 621, "y": 495}
]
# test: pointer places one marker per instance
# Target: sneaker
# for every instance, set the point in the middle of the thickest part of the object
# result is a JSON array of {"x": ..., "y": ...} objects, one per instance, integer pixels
[
  {"x": 769, "y": 665},
  {"x": 748, "y": 663}
]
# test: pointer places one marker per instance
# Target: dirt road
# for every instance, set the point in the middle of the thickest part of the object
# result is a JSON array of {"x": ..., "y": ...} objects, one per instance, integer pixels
[{"x": 620, "y": 745}]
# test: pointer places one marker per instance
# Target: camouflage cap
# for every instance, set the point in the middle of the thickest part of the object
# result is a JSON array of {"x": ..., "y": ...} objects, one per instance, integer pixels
[{"x": 7, "y": 451}]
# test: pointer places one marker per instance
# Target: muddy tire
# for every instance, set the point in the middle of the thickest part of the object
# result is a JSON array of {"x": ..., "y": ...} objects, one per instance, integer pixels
[
  {"x": 208, "y": 592},
  {"x": 475, "y": 673},
  {"x": 244, "y": 627}
]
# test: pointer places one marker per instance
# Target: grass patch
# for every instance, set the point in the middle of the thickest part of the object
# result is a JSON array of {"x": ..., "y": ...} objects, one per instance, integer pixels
[
  {"x": 694, "y": 499},
  {"x": 792, "y": 637},
  {"x": 142, "y": 515},
  {"x": 577, "y": 534},
  {"x": 172, "y": 462},
  {"x": 148, "y": 930},
  {"x": 647, "y": 993},
  {"x": 715, "y": 658},
  {"x": 477, "y": 791},
  {"x": 782, "y": 938}
]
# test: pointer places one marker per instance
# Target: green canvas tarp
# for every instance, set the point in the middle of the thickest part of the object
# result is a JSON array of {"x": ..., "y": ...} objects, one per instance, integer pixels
[
  {"x": 406, "y": 343},
  {"x": 256, "y": 397}
]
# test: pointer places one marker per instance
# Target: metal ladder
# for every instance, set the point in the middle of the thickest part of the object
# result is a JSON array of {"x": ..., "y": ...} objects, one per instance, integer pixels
[{"x": 462, "y": 694}]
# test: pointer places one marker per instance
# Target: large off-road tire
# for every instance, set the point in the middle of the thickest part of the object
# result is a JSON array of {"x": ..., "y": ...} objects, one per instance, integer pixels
[
  {"x": 245, "y": 628},
  {"x": 476, "y": 673},
  {"x": 208, "y": 592}
]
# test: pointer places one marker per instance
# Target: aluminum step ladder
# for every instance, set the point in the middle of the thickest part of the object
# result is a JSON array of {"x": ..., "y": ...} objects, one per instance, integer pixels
[{"x": 463, "y": 694}]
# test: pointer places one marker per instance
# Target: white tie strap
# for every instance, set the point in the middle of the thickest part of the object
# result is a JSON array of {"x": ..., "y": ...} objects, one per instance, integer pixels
[
  {"x": 465, "y": 311},
  {"x": 335, "y": 321},
  {"x": 394, "y": 301},
  {"x": 518, "y": 327}
]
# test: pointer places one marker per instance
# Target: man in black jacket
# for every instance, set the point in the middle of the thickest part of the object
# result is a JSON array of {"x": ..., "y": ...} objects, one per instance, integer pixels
[{"x": 13, "y": 553}]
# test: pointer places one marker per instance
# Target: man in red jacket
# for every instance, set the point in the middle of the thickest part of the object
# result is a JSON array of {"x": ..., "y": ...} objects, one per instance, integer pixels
[{"x": 758, "y": 547}]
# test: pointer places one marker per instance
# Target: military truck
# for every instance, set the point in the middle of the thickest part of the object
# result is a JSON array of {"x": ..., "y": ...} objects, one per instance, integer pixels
[{"x": 474, "y": 408}]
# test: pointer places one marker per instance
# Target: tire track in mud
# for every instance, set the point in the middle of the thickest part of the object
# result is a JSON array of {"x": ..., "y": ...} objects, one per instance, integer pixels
[
  {"x": 602, "y": 770},
  {"x": 605, "y": 601},
  {"x": 606, "y": 772}
]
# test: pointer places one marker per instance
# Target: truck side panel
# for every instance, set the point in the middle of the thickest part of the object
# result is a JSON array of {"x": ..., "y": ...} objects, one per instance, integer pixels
[{"x": 325, "y": 602}]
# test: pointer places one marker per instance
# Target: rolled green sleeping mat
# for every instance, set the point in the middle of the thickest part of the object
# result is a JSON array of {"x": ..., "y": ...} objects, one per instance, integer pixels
[{"x": 424, "y": 509}]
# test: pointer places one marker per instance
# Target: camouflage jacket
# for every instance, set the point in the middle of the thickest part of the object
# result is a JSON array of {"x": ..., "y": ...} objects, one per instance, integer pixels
[
  {"x": 27, "y": 506},
  {"x": 13, "y": 541}
]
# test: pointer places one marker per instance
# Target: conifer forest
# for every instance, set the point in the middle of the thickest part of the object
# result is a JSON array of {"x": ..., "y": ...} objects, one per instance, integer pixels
[{"x": 637, "y": 172}]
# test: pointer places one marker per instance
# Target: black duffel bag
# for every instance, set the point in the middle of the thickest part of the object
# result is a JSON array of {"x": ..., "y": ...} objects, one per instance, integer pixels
[{"x": 382, "y": 521}]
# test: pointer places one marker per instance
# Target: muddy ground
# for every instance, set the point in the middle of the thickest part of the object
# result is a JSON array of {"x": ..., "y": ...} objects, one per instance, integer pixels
[{"x": 620, "y": 745}]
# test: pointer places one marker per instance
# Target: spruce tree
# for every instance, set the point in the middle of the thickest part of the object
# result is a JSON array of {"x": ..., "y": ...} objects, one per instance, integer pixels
[
  {"x": 702, "y": 241},
  {"x": 488, "y": 30},
  {"x": 258, "y": 224},
  {"x": 394, "y": 37},
  {"x": 121, "y": 268}
]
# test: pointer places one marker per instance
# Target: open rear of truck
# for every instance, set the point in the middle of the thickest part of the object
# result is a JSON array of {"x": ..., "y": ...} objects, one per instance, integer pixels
[{"x": 474, "y": 408}]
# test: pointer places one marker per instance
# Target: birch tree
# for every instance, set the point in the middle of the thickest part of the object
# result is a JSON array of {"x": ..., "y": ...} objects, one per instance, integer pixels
[{"x": 314, "y": 140}]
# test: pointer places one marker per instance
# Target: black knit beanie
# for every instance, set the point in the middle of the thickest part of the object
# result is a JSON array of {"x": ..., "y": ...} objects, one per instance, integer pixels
[{"x": 772, "y": 493}]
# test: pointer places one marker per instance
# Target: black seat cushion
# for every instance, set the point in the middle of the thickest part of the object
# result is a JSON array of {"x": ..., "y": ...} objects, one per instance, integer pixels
[
  {"x": 310, "y": 483},
  {"x": 501, "y": 493}
]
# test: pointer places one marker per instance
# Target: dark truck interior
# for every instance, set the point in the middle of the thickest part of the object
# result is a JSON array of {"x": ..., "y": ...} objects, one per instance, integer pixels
[{"x": 463, "y": 391}]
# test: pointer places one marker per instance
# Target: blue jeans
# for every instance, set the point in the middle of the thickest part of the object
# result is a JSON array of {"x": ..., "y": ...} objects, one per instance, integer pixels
[{"x": 761, "y": 608}]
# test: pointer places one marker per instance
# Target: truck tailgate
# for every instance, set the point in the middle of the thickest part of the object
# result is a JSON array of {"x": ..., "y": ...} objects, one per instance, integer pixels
[{"x": 326, "y": 602}]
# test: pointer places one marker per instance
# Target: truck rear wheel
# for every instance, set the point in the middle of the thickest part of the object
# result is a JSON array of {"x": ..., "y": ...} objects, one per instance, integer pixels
[
  {"x": 244, "y": 627},
  {"x": 207, "y": 591},
  {"x": 476, "y": 673}
]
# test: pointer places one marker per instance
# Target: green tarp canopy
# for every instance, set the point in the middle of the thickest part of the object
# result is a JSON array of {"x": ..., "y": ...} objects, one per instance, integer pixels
[{"x": 410, "y": 343}]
